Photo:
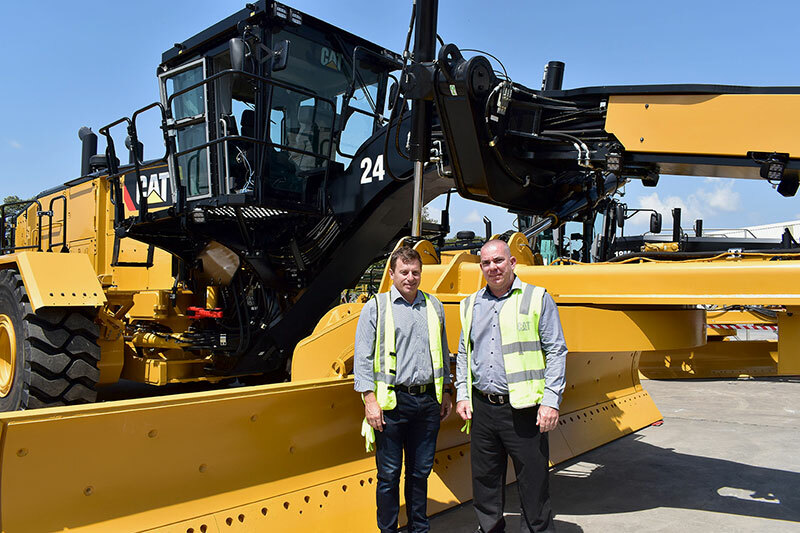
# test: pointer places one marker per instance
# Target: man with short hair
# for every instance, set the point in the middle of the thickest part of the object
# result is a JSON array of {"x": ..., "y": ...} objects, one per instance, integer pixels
[
  {"x": 402, "y": 369},
  {"x": 509, "y": 380}
]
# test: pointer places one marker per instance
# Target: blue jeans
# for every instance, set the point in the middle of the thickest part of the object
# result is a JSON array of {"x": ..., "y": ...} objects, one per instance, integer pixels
[{"x": 411, "y": 426}]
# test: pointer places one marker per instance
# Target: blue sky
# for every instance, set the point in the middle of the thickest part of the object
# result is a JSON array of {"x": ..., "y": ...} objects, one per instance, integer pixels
[{"x": 81, "y": 63}]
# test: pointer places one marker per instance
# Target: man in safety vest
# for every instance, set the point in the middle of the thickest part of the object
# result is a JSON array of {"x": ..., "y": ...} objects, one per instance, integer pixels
[
  {"x": 509, "y": 381},
  {"x": 402, "y": 369}
]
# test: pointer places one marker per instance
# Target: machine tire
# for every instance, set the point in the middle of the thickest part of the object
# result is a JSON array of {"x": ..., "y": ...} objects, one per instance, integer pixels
[{"x": 55, "y": 351}]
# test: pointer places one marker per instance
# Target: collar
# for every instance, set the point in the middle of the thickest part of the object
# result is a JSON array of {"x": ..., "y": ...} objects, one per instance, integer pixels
[
  {"x": 485, "y": 292},
  {"x": 394, "y": 294}
]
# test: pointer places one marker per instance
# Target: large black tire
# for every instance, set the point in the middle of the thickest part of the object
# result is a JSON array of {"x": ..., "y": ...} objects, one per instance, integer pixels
[{"x": 55, "y": 351}]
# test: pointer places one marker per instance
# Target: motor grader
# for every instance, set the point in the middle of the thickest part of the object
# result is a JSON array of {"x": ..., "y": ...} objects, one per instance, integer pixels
[
  {"x": 292, "y": 162},
  {"x": 742, "y": 339}
]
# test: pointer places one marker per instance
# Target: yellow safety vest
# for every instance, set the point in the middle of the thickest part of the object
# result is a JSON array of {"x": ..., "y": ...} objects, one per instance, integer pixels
[
  {"x": 523, "y": 357},
  {"x": 385, "y": 361}
]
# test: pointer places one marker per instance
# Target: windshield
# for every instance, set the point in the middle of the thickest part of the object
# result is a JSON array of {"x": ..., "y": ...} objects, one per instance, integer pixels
[
  {"x": 324, "y": 64},
  {"x": 287, "y": 147}
]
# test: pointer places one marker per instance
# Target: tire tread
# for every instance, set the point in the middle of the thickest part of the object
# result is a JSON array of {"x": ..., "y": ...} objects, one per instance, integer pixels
[{"x": 60, "y": 351}]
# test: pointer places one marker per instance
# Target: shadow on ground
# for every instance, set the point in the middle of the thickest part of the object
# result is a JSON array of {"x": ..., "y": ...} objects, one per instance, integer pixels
[{"x": 633, "y": 475}]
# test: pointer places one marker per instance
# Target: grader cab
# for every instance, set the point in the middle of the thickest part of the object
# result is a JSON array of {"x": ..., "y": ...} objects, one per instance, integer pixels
[{"x": 204, "y": 260}]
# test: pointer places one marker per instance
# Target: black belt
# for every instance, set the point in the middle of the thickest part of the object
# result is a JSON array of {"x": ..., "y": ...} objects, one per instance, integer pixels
[
  {"x": 416, "y": 390},
  {"x": 497, "y": 399}
]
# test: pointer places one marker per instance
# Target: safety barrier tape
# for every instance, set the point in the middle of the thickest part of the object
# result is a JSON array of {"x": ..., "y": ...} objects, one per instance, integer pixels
[{"x": 761, "y": 327}]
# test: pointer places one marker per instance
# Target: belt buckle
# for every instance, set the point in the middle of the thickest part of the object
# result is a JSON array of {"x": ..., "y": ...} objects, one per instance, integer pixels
[
  {"x": 416, "y": 390},
  {"x": 496, "y": 399}
]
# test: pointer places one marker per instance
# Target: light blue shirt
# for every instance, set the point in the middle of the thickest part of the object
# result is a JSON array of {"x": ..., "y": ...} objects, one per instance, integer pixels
[
  {"x": 414, "y": 366},
  {"x": 488, "y": 367}
]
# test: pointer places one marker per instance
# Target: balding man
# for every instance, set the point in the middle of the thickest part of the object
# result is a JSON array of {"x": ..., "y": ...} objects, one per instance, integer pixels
[{"x": 509, "y": 381}]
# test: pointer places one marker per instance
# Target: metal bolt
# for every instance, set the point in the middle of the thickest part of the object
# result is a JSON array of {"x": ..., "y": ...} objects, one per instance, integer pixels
[
  {"x": 646, "y": 106},
  {"x": 152, "y": 433},
  {"x": 641, "y": 139},
  {"x": 22, "y": 452}
]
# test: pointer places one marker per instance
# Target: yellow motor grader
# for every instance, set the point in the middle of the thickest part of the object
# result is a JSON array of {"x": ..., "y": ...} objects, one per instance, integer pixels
[
  {"x": 292, "y": 162},
  {"x": 742, "y": 338}
]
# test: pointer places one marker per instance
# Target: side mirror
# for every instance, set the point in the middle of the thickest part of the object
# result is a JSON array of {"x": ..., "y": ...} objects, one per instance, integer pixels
[
  {"x": 280, "y": 56},
  {"x": 392, "y": 95},
  {"x": 619, "y": 211},
  {"x": 237, "y": 49},
  {"x": 137, "y": 153},
  {"x": 655, "y": 222}
]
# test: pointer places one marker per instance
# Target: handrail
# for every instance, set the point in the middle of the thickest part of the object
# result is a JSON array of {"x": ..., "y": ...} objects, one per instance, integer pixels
[
  {"x": 63, "y": 225},
  {"x": 168, "y": 124},
  {"x": 39, "y": 214}
]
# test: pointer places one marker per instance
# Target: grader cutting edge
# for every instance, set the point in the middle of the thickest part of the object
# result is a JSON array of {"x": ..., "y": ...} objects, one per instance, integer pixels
[{"x": 282, "y": 180}]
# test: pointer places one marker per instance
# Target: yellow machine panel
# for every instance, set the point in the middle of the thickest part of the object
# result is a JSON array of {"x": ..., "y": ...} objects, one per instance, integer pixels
[
  {"x": 57, "y": 280},
  {"x": 723, "y": 124}
]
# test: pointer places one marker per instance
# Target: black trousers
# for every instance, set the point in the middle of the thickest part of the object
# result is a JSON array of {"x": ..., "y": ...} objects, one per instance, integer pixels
[
  {"x": 411, "y": 429},
  {"x": 500, "y": 431}
]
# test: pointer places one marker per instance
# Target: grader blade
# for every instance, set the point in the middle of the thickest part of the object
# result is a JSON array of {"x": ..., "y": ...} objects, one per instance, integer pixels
[
  {"x": 719, "y": 359},
  {"x": 286, "y": 457},
  {"x": 755, "y": 342},
  {"x": 277, "y": 457}
]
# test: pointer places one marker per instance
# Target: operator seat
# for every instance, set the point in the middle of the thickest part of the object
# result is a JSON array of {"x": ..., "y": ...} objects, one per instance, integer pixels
[
  {"x": 282, "y": 170},
  {"x": 313, "y": 135}
]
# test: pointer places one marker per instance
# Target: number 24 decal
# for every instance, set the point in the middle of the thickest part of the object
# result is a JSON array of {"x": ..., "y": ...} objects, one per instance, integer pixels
[{"x": 372, "y": 171}]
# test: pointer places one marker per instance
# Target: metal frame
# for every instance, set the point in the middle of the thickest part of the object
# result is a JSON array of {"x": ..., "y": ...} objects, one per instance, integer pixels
[
  {"x": 166, "y": 102},
  {"x": 39, "y": 213}
]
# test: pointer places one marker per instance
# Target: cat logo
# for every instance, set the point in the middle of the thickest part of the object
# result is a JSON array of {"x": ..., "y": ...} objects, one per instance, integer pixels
[
  {"x": 330, "y": 59},
  {"x": 155, "y": 186}
]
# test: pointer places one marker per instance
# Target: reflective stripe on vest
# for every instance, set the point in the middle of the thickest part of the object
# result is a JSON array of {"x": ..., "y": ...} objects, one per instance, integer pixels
[
  {"x": 385, "y": 361},
  {"x": 523, "y": 357}
]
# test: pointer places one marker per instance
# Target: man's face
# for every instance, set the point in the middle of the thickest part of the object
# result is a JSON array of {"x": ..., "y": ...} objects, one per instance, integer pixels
[
  {"x": 497, "y": 265},
  {"x": 405, "y": 278}
]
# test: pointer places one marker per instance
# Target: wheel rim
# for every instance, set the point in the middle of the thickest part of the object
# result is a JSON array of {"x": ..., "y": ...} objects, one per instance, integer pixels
[{"x": 8, "y": 353}]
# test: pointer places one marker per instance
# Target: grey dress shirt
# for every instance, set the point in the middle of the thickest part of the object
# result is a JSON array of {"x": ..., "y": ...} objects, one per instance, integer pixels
[
  {"x": 414, "y": 365},
  {"x": 488, "y": 368}
]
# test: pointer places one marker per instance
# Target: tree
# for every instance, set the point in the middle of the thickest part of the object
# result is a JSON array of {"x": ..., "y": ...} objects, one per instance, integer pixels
[
  {"x": 11, "y": 213},
  {"x": 426, "y": 216}
]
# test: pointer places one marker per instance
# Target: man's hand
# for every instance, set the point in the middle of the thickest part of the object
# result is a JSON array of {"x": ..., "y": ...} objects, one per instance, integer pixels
[
  {"x": 463, "y": 409},
  {"x": 547, "y": 418},
  {"x": 447, "y": 406},
  {"x": 373, "y": 411}
]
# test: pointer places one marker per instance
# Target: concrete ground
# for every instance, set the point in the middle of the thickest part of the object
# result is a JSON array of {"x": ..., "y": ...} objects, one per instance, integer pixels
[{"x": 725, "y": 459}]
